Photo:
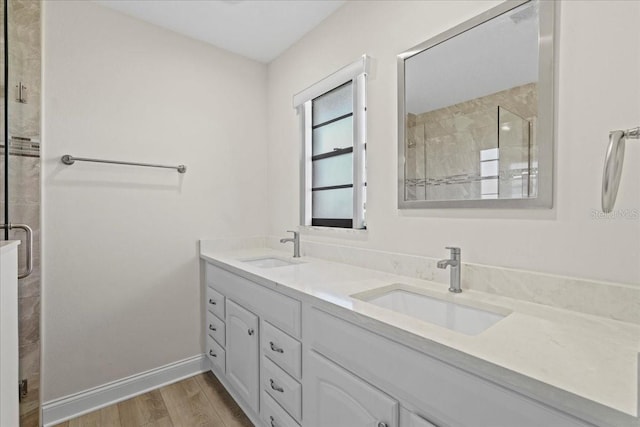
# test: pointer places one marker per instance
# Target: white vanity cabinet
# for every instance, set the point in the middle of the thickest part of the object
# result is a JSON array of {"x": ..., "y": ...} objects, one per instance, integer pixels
[
  {"x": 282, "y": 349},
  {"x": 446, "y": 395},
  {"x": 9, "y": 406},
  {"x": 217, "y": 355},
  {"x": 313, "y": 365},
  {"x": 281, "y": 377},
  {"x": 336, "y": 397},
  {"x": 253, "y": 350},
  {"x": 283, "y": 388},
  {"x": 242, "y": 352},
  {"x": 215, "y": 330},
  {"x": 273, "y": 415}
]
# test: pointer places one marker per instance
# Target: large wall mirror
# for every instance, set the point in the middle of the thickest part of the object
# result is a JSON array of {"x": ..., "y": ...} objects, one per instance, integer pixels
[{"x": 476, "y": 109}]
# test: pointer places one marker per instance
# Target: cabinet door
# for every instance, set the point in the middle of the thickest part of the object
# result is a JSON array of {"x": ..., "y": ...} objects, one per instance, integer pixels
[
  {"x": 337, "y": 398},
  {"x": 242, "y": 352}
]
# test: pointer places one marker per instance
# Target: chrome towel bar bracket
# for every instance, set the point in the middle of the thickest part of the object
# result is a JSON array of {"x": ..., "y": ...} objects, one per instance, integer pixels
[
  {"x": 613, "y": 165},
  {"x": 68, "y": 159}
]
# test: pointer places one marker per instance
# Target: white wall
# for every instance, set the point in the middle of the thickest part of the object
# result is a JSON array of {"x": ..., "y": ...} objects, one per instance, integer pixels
[
  {"x": 599, "y": 64},
  {"x": 121, "y": 285},
  {"x": 121, "y": 289}
]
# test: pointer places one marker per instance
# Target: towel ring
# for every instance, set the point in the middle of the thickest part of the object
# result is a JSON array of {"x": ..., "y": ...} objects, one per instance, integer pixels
[{"x": 613, "y": 165}]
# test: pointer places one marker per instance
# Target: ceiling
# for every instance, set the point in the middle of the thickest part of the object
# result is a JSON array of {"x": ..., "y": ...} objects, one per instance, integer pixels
[{"x": 258, "y": 29}]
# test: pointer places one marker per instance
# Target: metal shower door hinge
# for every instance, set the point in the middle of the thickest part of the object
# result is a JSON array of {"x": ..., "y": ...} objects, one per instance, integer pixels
[
  {"x": 22, "y": 90},
  {"x": 23, "y": 389}
]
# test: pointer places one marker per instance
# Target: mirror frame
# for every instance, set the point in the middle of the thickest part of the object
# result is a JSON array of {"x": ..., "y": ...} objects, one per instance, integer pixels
[{"x": 546, "y": 112}]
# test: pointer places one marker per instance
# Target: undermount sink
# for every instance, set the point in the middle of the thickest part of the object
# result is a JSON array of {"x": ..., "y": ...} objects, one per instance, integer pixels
[
  {"x": 268, "y": 262},
  {"x": 457, "y": 317}
]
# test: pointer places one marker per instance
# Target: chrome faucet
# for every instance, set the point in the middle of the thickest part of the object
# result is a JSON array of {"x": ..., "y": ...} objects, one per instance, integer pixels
[
  {"x": 455, "y": 264},
  {"x": 296, "y": 243}
]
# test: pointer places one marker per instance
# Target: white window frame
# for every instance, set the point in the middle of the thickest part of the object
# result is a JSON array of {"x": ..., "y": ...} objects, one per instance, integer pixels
[{"x": 356, "y": 73}]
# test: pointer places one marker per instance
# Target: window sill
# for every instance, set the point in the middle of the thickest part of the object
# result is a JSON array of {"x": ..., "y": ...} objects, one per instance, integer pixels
[{"x": 334, "y": 232}]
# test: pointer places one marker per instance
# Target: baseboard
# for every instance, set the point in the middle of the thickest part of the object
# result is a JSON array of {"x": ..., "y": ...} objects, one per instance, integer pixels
[{"x": 68, "y": 407}]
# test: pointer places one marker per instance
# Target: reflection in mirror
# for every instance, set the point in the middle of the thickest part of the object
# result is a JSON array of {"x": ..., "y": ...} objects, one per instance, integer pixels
[
  {"x": 517, "y": 170},
  {"x": 470, "y": 101}
]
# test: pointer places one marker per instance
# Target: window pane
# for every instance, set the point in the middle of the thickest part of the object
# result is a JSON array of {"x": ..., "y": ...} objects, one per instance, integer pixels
[
  {"x": 333, "y": 104},
  {"x": 489, "y": 168},
  {"x": 335, "y": 135},
  {"x": 332, "y": 203},
  {"x": 489, "y": 154},
  {"x": 337, "y": 170},
  {"x": 489, "y": 188}
]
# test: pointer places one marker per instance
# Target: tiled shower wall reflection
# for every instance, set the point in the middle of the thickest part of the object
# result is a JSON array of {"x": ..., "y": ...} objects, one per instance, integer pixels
[
  {"x": 442, "y": 152},
  {"x": 24, "y": 183}
]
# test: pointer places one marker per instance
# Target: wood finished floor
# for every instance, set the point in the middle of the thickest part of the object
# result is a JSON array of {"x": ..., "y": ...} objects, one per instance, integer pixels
[{"x": 197, "y": 401}]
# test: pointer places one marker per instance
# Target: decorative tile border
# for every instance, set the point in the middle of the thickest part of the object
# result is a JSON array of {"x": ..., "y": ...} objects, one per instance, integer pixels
[
  {"x": 470, "y": 178},
  {"x": 19, "y": 146}
]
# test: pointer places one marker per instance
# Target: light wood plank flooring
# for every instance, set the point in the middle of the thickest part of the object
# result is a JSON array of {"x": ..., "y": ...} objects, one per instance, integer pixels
[{"x": 197, "y": 401}]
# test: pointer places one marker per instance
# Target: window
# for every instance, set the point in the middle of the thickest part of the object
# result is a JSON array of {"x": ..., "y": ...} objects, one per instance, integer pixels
[
  {"x": 333, "y": 184},
  {"x": 489, "y": 173}
]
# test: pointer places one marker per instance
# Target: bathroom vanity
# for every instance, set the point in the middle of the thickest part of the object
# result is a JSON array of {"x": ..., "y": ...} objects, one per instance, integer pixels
[
  {"x": 308, "y": 342},
  {"x": 9, "y": 411}
]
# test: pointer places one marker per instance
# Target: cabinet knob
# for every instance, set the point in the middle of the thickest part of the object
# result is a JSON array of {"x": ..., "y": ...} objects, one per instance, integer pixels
[
  {"x": 276, "y": 387},
  {"x": 212, "y": 328},
  {"x": 251, "y": 331},
  {"x": 381, "y": 424},
  {"x": 275, "y": 347},
  {"x": 212, "y": 302},
  {"x": 212, "y": 354}
]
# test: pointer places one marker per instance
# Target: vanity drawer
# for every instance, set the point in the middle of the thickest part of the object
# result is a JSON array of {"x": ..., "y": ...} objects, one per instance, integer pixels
[
  {"x": 215, "y": 302},
  {"x": 215, "y": 328},
  {"x": 274, "y": 415},
  {"x": 409, "y": 419},
  {"x": 280, "y": 310},
  {"x": 216, "y": 354},
  {"x": 282, "y": 387},
  {"x": 425, "y": 382},
  {"x": 285, "y": 351}
]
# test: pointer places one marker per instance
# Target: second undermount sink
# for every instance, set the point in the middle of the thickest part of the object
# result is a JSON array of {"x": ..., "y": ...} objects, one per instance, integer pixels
[
  {"x": 457, "y": 317},
  {"x": 269, "y": 262}
]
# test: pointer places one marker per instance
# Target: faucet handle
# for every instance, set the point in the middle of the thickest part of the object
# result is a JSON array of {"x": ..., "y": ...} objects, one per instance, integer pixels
[
  {"x": 454, "y": 250},
  {"x": 295, "y": 233}
]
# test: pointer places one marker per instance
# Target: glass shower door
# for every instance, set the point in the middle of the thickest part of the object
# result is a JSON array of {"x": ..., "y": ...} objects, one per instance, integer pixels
[
  {"x": 515, "y": 160},
  {"x": 20, "y": 181},
  {"x": 20, "y": 125},
  {"x": 4, "y": 161}
]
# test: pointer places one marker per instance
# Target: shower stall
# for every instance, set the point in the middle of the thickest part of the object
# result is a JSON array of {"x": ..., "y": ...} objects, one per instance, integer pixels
[{"x": 20, "y": 141}]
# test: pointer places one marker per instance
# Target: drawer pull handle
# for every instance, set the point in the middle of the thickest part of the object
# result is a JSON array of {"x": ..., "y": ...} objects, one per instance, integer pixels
[
  {"x": 212, "y": 354},
  {"x": 275, "y": 347},
  {"x": 251, "y": 331},
  {"x": 212, "y": 327},
  {"x": 212, "y": 302},
  {"x": 273, "y": 421},
  {"x": 276, "y": 387}
]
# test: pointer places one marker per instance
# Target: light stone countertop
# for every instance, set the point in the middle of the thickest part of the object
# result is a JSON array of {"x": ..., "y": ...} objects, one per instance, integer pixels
[
  {"x": 7, "y": 245},
  {"x": 583, "y": 364}
]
